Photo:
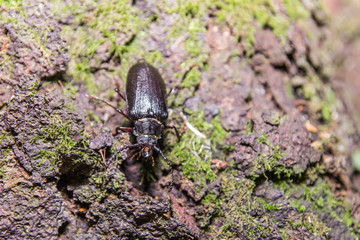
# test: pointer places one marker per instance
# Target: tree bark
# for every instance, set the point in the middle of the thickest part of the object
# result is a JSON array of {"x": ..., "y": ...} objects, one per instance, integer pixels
[{"x": 267, "y": 138}]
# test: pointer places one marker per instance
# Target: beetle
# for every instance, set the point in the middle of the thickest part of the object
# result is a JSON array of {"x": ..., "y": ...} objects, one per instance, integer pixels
[{"x": 146, "y": 105}]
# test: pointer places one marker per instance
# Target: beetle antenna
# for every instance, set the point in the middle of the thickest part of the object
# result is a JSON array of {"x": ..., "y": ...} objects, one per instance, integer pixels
[
  {"x": 121, "y": 149},
  {"x": 168, "y": 163},
  {"x": 115, "y": 108},
  {"x": 120, "y": 94}
]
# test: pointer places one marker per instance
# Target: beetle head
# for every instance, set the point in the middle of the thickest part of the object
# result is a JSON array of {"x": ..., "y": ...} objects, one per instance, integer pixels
[
  {"x": 146, "y": 152},
  {"x": 149, "y": 141}
]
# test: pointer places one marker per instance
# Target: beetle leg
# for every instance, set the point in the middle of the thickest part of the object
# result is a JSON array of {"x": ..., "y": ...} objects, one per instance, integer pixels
[
  {"x": 138, "y": 154},
  {"x": 153, "y": 161},
  {"x": 170, "y": 92},
  {"x": 176, "y": 131},
  {"x": 116, "y": 109},
  {"x": 124, "y": 129},
  {"x": 120, "y": 94},
  {"x": 168, "y": 163},
  {"x": 121, "y": 149}
]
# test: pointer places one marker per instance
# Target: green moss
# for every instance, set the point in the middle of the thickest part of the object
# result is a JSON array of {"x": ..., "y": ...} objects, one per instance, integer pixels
[
  {"x": 355, "y": 159},
  {"x": 270, "y": 162},
  {"x": 118, "y": 182},
  {"x": 326, "y": 112},
  {"x": 269, "y": 206},
  {"x": 211, "y": 204},
  {"x": 314, "y": 225},
  {"x": 33, "y": 88},
  {"x": 240, "y": 14},
  {"x": 4, "y": 136},
  {"x": 263, "y": 139},
  {"x": 296, "y": 10},
  {"x": 275, "y": 118},
  {"x": 316, "y": 196},
  {"x": 191, "y": 25},
  {"x": 107, "y": 24},
  {"x": 6, "y": 64},
  {"x": 219, "y": 134},
  {"x": 96, "y": 25},
  {"x": 104, "y": 183},
  {"x": 194, "y": 151},
  {"x": 321, "y": 97},
  {"x": 58, "y": 134},
  {"x": 328, "y": 104},
  {"x": 93, "y": 116},
  {"x": 192, "y": 78},
  {"x": 3, "y": 162},
  {"x": 248, "y": 127},
  {"x": 297, "y": 204},
  {"x": 239, "y": 211},
  {"x": 137, "y": 50},
  {"x": 233, "y": 192},
  {"x": 35, "y": 35},
  {"x": 319, "y": 198},
  {"x": 148, "y": 171},
  {"x": 10, "y": 5},
  {"x": 289, "y": 88}
]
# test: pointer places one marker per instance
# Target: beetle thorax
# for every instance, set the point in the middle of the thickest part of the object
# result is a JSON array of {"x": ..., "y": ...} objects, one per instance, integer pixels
[
  {"x": 148, "y": 126},
  {"x": 147, "y": 140}
]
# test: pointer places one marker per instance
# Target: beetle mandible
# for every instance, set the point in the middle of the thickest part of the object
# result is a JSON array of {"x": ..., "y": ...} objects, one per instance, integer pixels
[{"x": 146, "y": 104}]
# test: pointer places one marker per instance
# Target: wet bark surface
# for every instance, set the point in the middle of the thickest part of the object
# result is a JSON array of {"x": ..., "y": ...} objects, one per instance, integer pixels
[{"x": 267, "y": 131}]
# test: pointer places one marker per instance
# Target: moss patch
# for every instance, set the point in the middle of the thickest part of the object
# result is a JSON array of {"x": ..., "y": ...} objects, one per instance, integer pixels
[
  {"x": 313, "y": 200},
  {"x": 269, "y": 163},
  {"x": 98, "y": 32},
  {"x": 59, "y": 135}
]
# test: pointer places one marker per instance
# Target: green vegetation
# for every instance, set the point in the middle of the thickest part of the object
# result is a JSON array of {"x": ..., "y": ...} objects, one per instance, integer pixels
[
  {"x": 318, "y": 198},
  {"x": 269, "y": 163},
  {"x": 239, "y": 211},
  {"x": 119, "y": 31},
  {"x": 194, "y": 151},
  {"x": 35, "y": 36},
  {"x": 296, "y": 10},
  {"x": 3, "y": 162},
  {"x": 190, "y": 23},
  {"x": 112, "y": 31},
  {"x": 6, "y": 64},
  {"x": 97, "y": 26},
  {"x": 59, "y": 135},
  {"x": 10, "y": 5},
  {"x": 254, "y": 217},
  {"x": 240, "y": 14},
  {"x": 233, "y": 191},
  {"x": 321, "y": 97}
]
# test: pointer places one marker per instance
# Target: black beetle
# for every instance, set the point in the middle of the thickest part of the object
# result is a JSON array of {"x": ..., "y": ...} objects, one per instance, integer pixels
[{"x": 147, "y": 108}]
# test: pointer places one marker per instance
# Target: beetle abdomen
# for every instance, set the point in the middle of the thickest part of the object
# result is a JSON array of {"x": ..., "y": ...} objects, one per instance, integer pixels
[{"x": 145, "y": 93}]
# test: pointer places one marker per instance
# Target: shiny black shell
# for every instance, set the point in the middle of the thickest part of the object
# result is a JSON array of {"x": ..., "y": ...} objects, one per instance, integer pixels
[{"x": 145, "y": 93}]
